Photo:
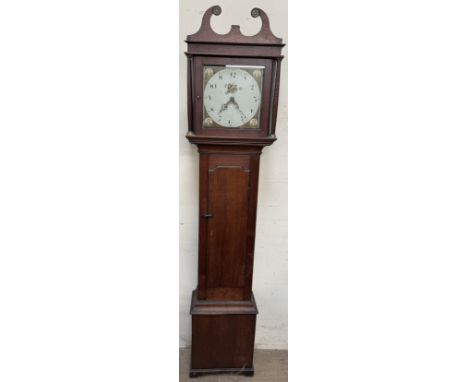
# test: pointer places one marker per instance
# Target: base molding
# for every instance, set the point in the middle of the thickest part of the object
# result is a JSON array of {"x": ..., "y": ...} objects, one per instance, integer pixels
[
  {"x": 247, "y": 372},
  {"x": 213, "y": 307}
]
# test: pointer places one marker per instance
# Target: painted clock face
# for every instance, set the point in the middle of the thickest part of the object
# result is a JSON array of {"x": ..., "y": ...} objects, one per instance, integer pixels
[{"x": 232, "y": 96}]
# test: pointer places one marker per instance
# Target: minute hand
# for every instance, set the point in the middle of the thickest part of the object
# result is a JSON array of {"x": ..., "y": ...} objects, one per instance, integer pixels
[{"x": 236, "y": 105}]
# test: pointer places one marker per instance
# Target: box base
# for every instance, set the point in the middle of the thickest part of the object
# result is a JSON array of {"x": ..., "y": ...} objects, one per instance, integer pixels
[{"x": 223, "y": 337}]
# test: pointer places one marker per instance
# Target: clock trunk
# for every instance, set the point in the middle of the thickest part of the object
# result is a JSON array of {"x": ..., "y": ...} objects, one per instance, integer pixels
[{"x": 228, "y": 210}]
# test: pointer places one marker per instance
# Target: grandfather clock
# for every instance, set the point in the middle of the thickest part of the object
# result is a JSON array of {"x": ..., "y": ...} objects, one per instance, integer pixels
[{"x": 233, "y": 86}]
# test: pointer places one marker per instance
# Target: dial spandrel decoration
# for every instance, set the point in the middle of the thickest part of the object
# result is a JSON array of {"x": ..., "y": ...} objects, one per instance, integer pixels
[{"x": 232, "y": 96}]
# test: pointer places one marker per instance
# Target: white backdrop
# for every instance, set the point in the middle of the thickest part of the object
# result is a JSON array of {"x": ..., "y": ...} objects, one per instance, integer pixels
[{"x": 271, "y": 259}]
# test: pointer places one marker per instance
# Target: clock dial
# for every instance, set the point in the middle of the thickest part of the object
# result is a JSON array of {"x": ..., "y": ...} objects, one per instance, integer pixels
[{"x": 232, "y": 97}]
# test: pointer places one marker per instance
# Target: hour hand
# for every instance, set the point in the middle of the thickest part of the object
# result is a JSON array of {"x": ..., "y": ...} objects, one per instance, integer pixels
[{"x": 224, "y": 106}]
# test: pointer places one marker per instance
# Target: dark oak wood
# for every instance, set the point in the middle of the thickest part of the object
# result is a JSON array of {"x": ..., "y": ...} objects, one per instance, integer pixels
[
  {"x": 228, "y": 194},
  {"x": 223, "y": 336},
  {"x": 223, "y": 307},
  {"x": 206, "y": 35},
  {"x": 223, "y": 341},
  {"x": 209, "y": 307}
]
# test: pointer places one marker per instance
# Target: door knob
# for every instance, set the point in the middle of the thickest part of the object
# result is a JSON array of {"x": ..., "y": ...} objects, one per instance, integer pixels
[{"x": 206, "y": 216}]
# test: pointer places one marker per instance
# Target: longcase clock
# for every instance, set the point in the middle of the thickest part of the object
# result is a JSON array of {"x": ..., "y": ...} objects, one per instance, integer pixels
[{"x": 233, "y": 87}]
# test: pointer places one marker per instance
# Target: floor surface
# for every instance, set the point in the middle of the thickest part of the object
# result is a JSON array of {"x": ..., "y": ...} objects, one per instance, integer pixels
[{"x": 270, "y": 366}]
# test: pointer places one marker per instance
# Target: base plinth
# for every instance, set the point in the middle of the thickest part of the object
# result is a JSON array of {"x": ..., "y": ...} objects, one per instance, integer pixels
[
  {"x": 223, "y": 336},
  {"x": 194, "y": 373}
]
